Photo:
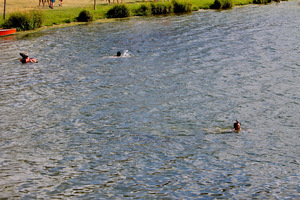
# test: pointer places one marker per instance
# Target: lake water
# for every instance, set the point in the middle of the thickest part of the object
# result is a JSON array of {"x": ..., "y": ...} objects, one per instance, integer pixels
[{"x": 82, "y": 124}]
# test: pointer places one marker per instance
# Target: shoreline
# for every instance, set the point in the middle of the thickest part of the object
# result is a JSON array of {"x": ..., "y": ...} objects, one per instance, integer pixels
[
  {"x": 107, "y": 20},
  {"x": 63, "y": 25}
]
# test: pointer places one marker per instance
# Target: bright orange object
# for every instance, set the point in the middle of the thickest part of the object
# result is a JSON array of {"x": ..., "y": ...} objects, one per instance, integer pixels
[{"x": 4, "y": 32}]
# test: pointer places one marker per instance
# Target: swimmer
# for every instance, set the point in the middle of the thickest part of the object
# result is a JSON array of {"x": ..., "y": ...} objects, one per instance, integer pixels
[
  {"x": 236, "y": 129},
  {"x": 237, "y": 126},
  {"x": 25, "y": 58},
  {"x": 124, "y": 54},
  {"x": 119, "y": 54}
]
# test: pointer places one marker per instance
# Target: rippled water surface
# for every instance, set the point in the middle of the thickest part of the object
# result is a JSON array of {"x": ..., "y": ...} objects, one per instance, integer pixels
[{"x": 82, "y": 124}]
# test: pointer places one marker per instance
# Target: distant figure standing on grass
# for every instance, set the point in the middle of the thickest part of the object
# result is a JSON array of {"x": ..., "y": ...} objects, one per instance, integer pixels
[
  {"x": 43, "y": 2},
  {"x": 60, "y": 2},
  {"x": 51, "y": 4}
]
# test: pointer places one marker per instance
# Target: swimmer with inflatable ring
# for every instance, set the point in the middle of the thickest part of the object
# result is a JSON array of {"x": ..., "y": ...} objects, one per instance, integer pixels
[{"x": 25, "y": 58}]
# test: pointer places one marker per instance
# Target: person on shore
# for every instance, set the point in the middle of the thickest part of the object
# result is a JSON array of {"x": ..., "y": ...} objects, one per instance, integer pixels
[
  {"x": 25, "y": 58},
  {"x": 237, "y": 126},
  {"x": 43, "y": 2},
  {"x": 51, "y": 4}
]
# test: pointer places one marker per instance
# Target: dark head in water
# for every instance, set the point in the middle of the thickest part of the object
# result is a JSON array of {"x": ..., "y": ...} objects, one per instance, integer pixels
[
  {"x": 237, "y": 126},
  {"x": 25, "y": 58},
  {"x": 118, "y": 53},
  {"x": 24, "y": 55}
]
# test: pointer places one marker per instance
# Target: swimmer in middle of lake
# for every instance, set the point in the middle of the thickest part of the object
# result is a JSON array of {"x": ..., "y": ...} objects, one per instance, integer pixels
[
  {"x": 124, "y": 54},
  {"x": 217, "y": 130},
  {"x": 237, "y": 126}
]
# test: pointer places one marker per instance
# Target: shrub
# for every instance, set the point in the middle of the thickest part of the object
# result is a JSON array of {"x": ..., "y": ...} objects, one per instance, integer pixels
[
  {"x": 36, "y": 19},
  {"x": 23, "y": 21},
  {"x": 118, "y": 11},
  {"x": 161, "y": 8},
  {"x": 143, "y": 10},
  {"x": 67, "y": 21},
  {"x": 222, "y": 4},
  {"x": 85, "y": 16},
  {"x": 181, "y": 6}
]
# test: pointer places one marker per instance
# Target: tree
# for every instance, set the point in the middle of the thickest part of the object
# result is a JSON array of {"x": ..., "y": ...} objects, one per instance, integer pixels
[{"x": 4, "y": 9}]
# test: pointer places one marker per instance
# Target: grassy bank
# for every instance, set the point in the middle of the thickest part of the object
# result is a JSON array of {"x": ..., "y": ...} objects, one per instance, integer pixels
[{"x": 69, "y": 12}]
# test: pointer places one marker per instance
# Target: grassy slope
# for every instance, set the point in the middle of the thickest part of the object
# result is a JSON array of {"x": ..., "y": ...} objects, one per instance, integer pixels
[{"x": 71, "y": 9}]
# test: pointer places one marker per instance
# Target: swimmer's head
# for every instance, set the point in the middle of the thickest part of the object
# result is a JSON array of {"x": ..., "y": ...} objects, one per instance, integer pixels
[
  {"x": 24, "y": 55},
  {"x": 118, "y": 53},
  {"x": 237, "y": 125}
]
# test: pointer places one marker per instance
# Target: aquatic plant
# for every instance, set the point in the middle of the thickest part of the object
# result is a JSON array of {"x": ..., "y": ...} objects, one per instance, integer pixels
[
  {"x": 118, "y": 11},
  {"x": 161, "y": 8},
  {"x": 181, "y": 6},
  {"x": 222, "y": 4},
  {"x": 23, "y": 21},
  {"x": 85, "y": 16}
]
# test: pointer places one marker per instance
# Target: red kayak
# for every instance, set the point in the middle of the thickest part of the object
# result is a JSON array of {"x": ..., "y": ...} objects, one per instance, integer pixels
[{"x": 7, "y": 31}]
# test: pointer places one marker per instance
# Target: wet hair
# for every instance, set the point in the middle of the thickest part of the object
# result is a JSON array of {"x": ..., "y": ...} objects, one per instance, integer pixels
[
  {"x": 236, "y": 123},
  {"x": 24, "y": 55},
  {"x": 118, "y": 53}
]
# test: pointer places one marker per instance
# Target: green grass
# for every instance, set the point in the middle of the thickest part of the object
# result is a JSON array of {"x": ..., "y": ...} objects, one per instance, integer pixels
[
  {"x": 60, "y": 16},
  {"x": 203, "y": 4},
  {"x": 242, "y": 2},
  {"x": 65, "y": 15}
]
